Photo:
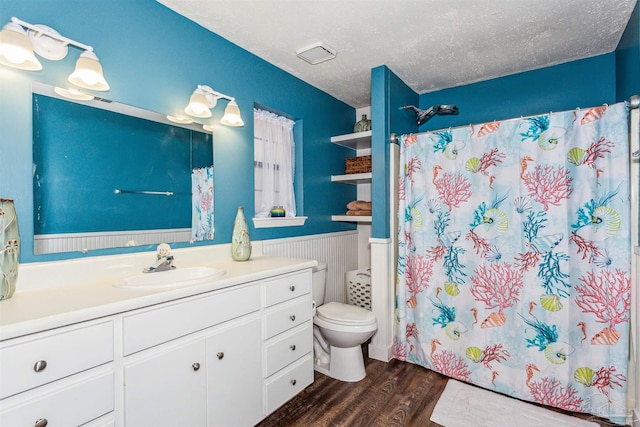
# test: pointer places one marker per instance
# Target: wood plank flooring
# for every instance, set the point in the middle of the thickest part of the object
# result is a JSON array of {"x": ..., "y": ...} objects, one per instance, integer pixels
[{"x": 393, "y": 394}]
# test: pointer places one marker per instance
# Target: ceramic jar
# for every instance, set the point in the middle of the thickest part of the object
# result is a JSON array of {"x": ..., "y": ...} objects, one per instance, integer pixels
[
  {"x": 240, "y": 241},
  {"x": 9, "y": 248},
  {"x": 362, "y": 125}
]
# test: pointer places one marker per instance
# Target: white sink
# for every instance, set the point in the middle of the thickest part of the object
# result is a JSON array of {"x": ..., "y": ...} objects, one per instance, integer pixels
[{"x": 171, "y": 278}]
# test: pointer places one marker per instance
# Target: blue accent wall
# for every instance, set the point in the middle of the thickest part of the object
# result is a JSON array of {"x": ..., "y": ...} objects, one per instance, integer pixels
[
  {"x": 628, "y": 59},
  {"x": 153, "y": 59},
  {"x": 388, "y": 95},
  {"x": 584, "y": 83}
]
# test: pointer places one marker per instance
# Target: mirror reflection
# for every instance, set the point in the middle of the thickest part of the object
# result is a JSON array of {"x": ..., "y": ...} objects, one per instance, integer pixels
[{"x": 109, "y": 175}]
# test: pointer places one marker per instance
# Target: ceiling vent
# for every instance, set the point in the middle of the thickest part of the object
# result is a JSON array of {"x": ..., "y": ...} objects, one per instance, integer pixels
[{"x": 316, "y": 53}]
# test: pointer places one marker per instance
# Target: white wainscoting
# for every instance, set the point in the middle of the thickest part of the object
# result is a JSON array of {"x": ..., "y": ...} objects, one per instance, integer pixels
[
  {"x": 338, "y": 250},
  {"x": 83, "y": 242}
]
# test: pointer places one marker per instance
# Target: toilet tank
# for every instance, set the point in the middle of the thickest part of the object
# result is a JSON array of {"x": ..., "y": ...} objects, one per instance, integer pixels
[{"x": 318, "y": 283}]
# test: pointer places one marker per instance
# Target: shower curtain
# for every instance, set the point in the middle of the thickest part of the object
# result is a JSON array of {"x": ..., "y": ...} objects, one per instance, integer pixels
[
  {"x": 514, "y": 260},
  {"x": 202, "y": 204}
]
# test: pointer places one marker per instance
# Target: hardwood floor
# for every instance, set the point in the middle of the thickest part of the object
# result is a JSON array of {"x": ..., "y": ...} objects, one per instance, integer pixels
[{"x": 392, "y": 395}]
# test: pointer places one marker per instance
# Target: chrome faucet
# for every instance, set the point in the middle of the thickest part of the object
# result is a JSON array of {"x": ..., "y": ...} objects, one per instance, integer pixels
[{"x": 164, "y": 260}]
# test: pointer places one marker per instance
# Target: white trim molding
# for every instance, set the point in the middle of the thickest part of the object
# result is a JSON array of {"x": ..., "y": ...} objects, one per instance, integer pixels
[{"x": 382, "y": 298}]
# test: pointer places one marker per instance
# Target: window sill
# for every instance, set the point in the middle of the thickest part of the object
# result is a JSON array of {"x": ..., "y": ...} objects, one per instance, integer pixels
[{"x": 279, "y": 222}]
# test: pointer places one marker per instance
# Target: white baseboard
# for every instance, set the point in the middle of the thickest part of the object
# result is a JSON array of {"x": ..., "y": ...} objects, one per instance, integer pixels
[{"x": 381, "y": 353}]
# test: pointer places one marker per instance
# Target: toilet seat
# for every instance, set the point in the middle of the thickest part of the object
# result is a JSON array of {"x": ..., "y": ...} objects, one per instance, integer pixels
[{"x": 345, "y": 314}]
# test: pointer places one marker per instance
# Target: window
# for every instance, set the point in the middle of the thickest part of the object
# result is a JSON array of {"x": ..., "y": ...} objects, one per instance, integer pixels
[{"x": 274, "y": 154}]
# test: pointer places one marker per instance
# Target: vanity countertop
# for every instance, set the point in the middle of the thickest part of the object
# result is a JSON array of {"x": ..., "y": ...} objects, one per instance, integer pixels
[{"x": 41, "y": 307}]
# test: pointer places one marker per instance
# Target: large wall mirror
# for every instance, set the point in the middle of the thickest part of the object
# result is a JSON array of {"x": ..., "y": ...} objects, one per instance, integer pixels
[{"x": 109, "y": 175}]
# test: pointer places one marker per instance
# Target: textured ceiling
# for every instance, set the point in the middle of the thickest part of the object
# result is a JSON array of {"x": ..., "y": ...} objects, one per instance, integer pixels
[{"x": 429, "y": 44}]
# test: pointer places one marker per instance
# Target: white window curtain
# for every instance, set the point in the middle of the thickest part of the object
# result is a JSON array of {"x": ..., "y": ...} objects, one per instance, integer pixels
[{"x": 273, "y": 163}]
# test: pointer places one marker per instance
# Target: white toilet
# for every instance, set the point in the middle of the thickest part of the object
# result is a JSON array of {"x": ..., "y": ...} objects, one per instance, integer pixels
[{"x": 338, "y": 333}]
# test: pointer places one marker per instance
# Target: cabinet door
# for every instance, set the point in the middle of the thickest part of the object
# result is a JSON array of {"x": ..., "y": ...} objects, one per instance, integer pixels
[
  {"x": 234, "y": 375},
  {"x": 168, "y": 388}
]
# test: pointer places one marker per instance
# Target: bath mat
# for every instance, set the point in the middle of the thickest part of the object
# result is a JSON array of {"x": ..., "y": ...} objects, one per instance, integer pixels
[{"x": 463, "y": 405}]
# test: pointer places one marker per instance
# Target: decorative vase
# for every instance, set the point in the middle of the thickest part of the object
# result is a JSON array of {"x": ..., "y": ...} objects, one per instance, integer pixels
[
  {"x": 240, "y": 241},
  {"x": 362, "y": 125},
  {"x": 9, "y": 249}
]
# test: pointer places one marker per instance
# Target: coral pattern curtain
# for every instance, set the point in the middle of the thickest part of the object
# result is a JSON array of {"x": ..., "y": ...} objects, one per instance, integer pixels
[
  {"x": 202, "y": 204},
  {"x": 514, "y": 257}
]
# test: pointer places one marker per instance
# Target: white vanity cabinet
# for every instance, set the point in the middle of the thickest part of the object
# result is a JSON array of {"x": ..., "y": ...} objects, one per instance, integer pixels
[
  {"x": 209, "y": 377},
  {"x": 227, "y": 354},
  {"x": 234, "y": 383},
  {"x": 63, "y": 377},
  {"x": 167, "y": 388},
  {"x": 288, "y": 335}
]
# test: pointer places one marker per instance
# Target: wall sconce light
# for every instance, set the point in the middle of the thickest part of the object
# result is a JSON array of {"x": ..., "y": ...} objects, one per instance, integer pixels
[
  {"x": 204, "y": 99},
  {"x": 17, "y": 46}
]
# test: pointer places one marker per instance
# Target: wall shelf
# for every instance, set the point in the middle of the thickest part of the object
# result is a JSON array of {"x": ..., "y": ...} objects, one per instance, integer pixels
[
  {"x": 287, "y": 221},
  {"x": 350, "y": 218},
  {"x": 355, "y": 141},
  {"x": 353, "y": 178}
]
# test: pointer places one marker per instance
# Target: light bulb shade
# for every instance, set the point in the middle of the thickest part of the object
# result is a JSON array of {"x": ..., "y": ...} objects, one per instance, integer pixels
[
  {"x": 232, "y": 115},
  {"x": 180, "y": 119},
  {"x": 73, "y": 93},
  {"x": 199, "y": 105},
  {"x": 88, "y": 73},
  {"x": 16, "y": 50}
]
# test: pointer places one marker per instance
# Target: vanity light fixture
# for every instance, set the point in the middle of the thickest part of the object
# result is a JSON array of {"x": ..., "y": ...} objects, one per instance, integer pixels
[
  {"x": 16, "y": 50},
  {"x": 73, "y": 93},
  {"x": 182, "y": 120},
  {"x": 204, "y": 99},
  {"x": 17, "y": 47},
  {"x": 232, "y": 115}
]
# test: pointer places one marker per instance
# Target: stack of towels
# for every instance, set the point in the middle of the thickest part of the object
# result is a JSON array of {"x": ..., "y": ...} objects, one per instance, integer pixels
[{"x": 359, "y": 208}]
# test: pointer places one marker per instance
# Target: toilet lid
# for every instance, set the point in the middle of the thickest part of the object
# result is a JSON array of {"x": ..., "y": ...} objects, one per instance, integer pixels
[{"x": 345, "y": 314}]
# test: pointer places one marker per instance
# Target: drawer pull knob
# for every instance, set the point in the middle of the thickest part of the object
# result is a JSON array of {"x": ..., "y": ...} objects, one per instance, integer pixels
[
  {"x": 292, "y": 317},
  {"x": 196, "y": 366},
  {"x": 292, "y": 347},
  {"x": 220, "y": 355},
  {"x": 41, "y": 422},
  {"x": 293, "y": 382},
  {"x": 38, "y": 367},
  {"x": 292, "y": 288}
]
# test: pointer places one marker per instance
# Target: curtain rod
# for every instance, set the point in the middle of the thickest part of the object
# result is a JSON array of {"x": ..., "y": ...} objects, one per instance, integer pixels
[{"x": 632, "y": 103}]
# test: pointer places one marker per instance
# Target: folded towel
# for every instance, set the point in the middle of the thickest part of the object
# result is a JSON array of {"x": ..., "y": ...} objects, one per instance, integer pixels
[
  {"x": 359, "y": 213},
  {"x": 359, "y": 205}
]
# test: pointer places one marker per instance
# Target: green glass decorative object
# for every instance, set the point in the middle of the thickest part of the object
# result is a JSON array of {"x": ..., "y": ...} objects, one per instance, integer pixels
[
  {"x": 10, "y": 249},
  {"x": 277, "y": 212},
  {"x": 362, "y": 125},
  {"x": 240, "y": 241}
]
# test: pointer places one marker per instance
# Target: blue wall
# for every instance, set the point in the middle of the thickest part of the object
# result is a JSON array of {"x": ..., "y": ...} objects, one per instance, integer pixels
[
  {"x": 153, "y": 58},
  {"x": 388, "y": 95},
  {"x": 628, "y": 59},
  {"x": 584, "y": 83}
]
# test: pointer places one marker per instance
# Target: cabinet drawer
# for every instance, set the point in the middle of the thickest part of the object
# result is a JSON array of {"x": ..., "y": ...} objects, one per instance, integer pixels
[
  {"x": 174, "y": 320},
  {"x": 284, "y": 288},
  {"x": 286, "y": 384},
  {"x": 50, "y": 356},
  {"x": 71, "y": 405},
  {"x": 281, "y": 351},
  {"x": 288, "y": 315}
]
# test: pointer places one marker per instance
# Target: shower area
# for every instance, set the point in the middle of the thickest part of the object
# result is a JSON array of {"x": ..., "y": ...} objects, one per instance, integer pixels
[{"x": 514, "y": 255}]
